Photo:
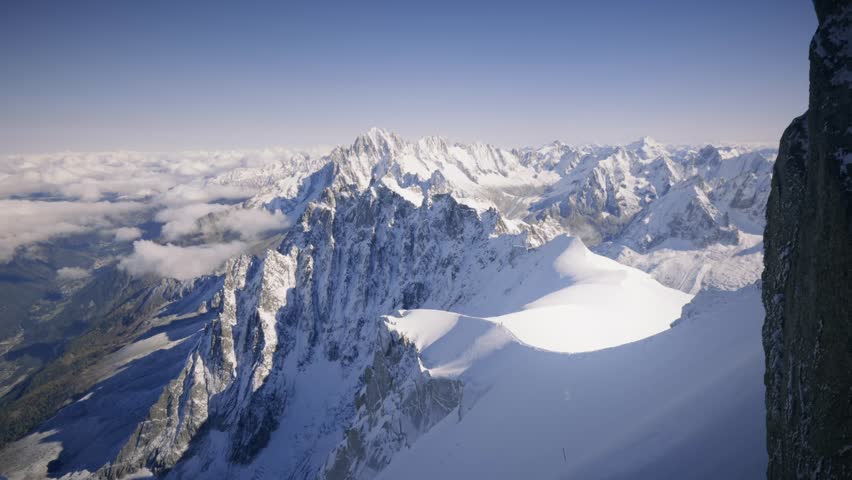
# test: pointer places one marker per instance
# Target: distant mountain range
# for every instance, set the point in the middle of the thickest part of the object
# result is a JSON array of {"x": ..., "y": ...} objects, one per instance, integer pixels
[{"x": 406, "y": 309}]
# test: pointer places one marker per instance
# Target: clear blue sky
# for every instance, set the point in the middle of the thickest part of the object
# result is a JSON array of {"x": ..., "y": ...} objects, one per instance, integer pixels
[{"x": 165, "y": 75}]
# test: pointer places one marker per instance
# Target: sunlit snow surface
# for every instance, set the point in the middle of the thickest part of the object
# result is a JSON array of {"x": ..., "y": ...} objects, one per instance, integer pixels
[
  {"x": 604, "y": 304},
  {"x": 686, "y": 403}
]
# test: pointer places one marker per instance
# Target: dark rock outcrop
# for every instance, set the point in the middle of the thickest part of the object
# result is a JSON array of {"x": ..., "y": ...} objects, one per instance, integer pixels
[{"x": 807, "y": 282}]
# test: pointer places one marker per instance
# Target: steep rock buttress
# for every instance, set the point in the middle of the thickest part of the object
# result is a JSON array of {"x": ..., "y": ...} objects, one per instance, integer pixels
[{"x": 807, "y": 280}]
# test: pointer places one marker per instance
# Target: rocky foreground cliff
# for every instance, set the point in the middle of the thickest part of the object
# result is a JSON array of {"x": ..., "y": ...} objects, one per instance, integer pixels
[{"x": 807, "y": 292}]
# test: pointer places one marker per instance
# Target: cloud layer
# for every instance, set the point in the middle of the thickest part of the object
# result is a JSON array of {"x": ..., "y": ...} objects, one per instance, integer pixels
[
  {"x": 24, "y": 222},
  {"x": 197, "y": 197},
  {"x": 181, "y": 177},
  {"x": 178, "y": 262},
  {"x": 182, "y": 221},
  {"x": 72, "y": 273},
  {"x": 126, "y": 234},
  {"x": 214, "y": 220},
  {"x": 247, "y": 222}
]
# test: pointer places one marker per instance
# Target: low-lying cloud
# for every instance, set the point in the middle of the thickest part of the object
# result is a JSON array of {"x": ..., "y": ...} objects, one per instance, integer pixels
[
  {"x": 200, "y": 192},
  {"x": 180, "y": 177},
  {"x": 196, "y": 196},
  {"x": 211, "y": 220},
  {"x": 72, "y": 273},
  {"x": 182, "y": 221},
  {"x": 178, "y": 262},
  {"x": 126, "y": 234},
  {"x": 248, "y": 222},
  {"x": 24, "y": 222}
]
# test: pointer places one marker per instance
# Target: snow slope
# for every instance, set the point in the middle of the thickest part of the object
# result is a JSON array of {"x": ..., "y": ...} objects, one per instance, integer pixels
[
  {"x": 687, "y": 403},
  {"x": 573, "y": 300}
]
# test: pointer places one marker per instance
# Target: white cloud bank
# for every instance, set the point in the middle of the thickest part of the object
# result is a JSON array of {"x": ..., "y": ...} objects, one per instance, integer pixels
[
  {"x": 72, "y": 273},
  {"x": 249, "y": 222},
  {"x": 126, "y": 234},
  {"x": 182, "y": 221},
  {"x": 114, "y": 191},
  {"x": 24, "y": 222},
  {"x": 182, "y": 263},
  {"x": 210, "y": 219},
  {"x": 180, "y": 177}
]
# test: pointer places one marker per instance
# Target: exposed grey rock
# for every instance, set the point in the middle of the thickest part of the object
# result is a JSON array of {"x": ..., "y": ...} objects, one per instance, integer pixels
[
  {"x": 315, "y": 305},
  {"x": 397, "y": 403},
  {"x": 808, "y": 277}
]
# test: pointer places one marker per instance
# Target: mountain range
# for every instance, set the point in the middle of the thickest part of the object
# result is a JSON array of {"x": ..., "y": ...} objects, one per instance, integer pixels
[{"x": 427, "y": 309}]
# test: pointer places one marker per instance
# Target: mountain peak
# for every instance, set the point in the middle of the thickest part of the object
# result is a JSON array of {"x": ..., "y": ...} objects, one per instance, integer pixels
[
  {"x": 434, "y": 143},
  {"x": 378, "y": 139},
  {"x": 378, "y": 131},
  {"x": 646, "y": 147},
  {"x": 645, "y": 141}
]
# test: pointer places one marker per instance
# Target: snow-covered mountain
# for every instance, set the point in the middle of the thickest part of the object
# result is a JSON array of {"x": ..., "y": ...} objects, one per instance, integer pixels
[
  {"x": 428, "y": 296},
  {"x": 658, "y": 207}
]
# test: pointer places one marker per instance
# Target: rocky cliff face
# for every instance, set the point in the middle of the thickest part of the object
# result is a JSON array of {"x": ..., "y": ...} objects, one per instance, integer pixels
[
  {"x": 807, "y": 292},
  {"x": 302, "y": 327}
]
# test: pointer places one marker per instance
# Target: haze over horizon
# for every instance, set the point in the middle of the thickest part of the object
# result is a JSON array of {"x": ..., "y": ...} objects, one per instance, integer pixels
[{"x": 96, "y": 76}]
